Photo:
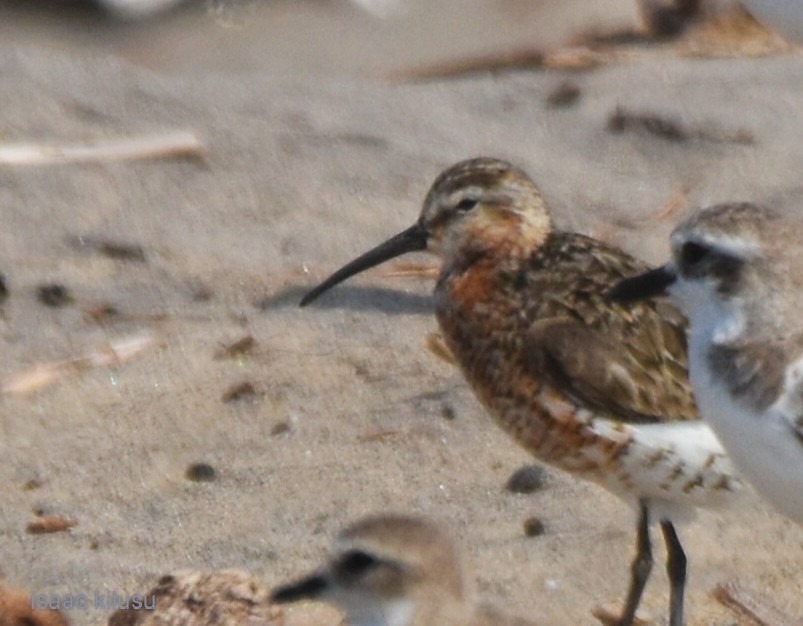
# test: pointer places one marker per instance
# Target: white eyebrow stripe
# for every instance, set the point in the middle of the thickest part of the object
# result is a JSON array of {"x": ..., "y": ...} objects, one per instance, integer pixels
[
  {"x": 736, "y": 246},
  {"x": 474, "y": 192}
]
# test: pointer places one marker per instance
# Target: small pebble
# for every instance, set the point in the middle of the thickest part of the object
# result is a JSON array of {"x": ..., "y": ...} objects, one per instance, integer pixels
[
  {"x": 200, "y": 292},
  {"x": 564, "y": 95},
  {"x": 53, "y": 295},
  {"x": 3, "y": 289},
  {"x": 534, "y": 527},
  {"x": 448, "y": 412},
  {"x": 200, "y": 473},
  {"x": 621, "y": 120},
  {"x": 239, "y": 391},
  {"x": 243, "y": 345},
  {"x": 119, "y": 250},
  {"x": 526, "y": 479},
  {"x": 32, "y": 484},
  {"x": 279, "y": 429},
  {"x": 101, "y": 313}
]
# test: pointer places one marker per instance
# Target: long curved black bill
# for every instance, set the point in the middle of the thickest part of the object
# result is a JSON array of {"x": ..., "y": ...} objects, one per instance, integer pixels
[
  {"x": 306, "y": 589},
  {"x": 647, "y": 285},
  {"x": 410, "y": 240}
]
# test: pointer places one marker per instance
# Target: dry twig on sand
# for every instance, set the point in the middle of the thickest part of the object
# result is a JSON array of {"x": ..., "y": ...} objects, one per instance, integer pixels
[
  {"x": 747, "y": 604},
  {"x": 180, "y": 144},
  {"x": 45, "y": 374},
  {"x": 50, "y": 524}
]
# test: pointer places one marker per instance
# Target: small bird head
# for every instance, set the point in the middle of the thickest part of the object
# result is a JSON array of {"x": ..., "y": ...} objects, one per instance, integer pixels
[
  {"x": 483, "y": 202},
  {"x": 477, "y": 203},
  {"x": 718, "y": 254},
  {"x": 383, "y": 571}
]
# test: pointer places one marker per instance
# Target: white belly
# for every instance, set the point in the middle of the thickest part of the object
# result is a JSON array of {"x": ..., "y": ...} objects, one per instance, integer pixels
[
  {"x": 763, "y": 447},
  {"x": 674, "y": 467}
]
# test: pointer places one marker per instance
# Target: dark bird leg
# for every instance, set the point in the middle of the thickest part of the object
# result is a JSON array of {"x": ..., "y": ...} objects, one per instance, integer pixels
[
  {"x": 676, "y": 569},
  {"x": 640, "y": 570}
]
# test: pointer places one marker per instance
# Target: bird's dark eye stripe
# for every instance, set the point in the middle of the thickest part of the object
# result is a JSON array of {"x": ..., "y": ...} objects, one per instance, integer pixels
[
  {"x": 466, "y": 204},
  {"x": 693, "y": 253},
  {"x": 356, "y": 562}
]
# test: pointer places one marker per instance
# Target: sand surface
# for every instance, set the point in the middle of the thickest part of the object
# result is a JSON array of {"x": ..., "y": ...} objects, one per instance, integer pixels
[{"x": 306, "y": 166}]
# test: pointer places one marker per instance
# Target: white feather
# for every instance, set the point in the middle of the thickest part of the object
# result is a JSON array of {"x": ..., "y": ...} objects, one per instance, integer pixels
[{"x": 763, "y": 447}]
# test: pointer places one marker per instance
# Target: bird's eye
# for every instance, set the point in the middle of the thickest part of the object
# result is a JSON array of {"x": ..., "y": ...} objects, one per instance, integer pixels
[
  {"x": 466, "y": 205},
  {"x": 356, "y": 562},
  {"x": 692, "y": 253}
]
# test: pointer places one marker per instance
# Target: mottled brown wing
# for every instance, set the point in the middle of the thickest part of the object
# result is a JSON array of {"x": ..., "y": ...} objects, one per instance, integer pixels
[{"x": 628, "y": 362}]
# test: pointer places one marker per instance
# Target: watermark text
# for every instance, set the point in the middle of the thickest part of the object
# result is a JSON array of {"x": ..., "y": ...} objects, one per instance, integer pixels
[{"x": 109, "y": 601}]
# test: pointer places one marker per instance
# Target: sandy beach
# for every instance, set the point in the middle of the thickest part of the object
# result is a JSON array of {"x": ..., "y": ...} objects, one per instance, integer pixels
[{"x": 311, "y": 154}]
